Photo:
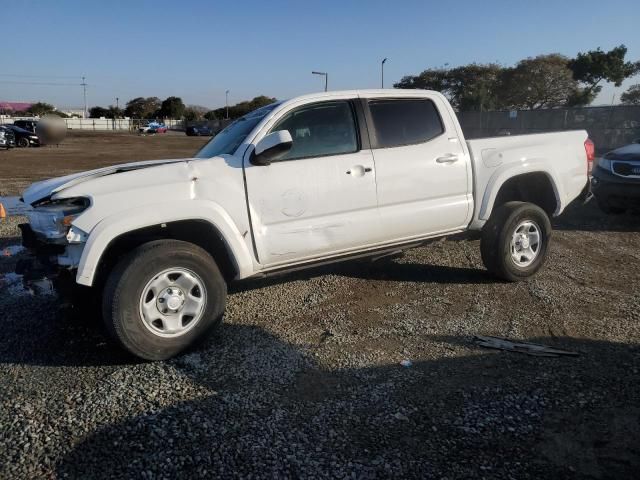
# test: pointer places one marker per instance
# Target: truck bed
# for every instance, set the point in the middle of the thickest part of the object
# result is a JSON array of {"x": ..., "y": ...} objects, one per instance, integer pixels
[{"x": 559, "y": 155}]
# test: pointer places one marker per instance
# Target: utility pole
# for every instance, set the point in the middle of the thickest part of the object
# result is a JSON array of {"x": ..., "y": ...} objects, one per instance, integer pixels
[
  {"x": 326, "y": 79},
  {"x": 382, "y": 71},
  {"x": 117, "y": 103},
  {"x": 227, "y": 102},
  {"x": 84, "y": 94}
]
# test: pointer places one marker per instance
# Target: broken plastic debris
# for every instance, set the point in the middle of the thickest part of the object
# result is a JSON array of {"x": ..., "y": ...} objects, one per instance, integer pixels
[
  {"x": 534, "y": 349},
  {"x": 406, "y": 363}
]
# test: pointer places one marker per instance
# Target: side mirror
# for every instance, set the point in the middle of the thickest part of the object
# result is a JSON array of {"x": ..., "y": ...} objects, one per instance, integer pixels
[{"x": 272, "y": 147}]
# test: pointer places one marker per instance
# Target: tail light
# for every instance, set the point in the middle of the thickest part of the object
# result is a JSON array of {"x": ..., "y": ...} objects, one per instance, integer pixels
[{"x": 590, "y": 149}]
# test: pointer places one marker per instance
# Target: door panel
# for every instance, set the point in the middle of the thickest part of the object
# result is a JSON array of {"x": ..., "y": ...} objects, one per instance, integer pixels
[
  {"x": 422, "y": 187},
  {"x": 320, "y": 199},
  {"x": 312, "y": 207}
]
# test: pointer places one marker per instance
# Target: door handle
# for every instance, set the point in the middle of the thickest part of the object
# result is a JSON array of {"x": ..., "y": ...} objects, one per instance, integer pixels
[
  {"x": 448, "y": 158},
  {"x": 358, "y": 170}
]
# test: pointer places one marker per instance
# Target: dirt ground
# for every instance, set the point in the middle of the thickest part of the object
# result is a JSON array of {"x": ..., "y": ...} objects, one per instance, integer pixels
[{"x": 304, "y": 379}]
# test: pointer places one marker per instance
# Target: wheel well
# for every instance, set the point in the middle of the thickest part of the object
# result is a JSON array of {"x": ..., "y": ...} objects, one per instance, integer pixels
[
  {"x": 534, "y": 188},
  {"x": 198, "y": 232}
]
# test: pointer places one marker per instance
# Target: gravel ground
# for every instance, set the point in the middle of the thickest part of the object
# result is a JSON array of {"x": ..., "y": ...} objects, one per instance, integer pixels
[{"x": 304, "y": 379}]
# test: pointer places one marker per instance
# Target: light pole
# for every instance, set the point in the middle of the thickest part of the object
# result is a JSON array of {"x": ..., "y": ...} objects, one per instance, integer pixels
[
  {"x": 382, "y": 70},
  {"x": 226, "y": 102},
  {"x": 117, "y": 103},
  {"x": 326, "y": 79},
  {"x": 84, "y": 94}
]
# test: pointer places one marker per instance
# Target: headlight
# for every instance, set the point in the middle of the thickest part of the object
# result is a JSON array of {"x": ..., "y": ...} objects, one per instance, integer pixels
[
  {"x": 604, "y": 163},
  {"x": 53, "y": 220}
]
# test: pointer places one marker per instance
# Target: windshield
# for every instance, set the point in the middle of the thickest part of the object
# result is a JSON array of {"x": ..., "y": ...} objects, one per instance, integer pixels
[{"x": 229, "y": 139}]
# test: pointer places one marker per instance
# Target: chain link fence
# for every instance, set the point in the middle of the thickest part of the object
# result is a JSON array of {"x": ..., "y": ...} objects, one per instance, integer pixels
[{"x": 609, "y": 127}]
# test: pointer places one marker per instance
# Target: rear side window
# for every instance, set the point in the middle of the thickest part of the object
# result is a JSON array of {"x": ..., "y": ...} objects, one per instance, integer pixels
[{"x": 404, "y": 121}]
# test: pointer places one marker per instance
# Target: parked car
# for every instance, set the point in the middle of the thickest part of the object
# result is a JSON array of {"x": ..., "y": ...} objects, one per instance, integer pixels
[
  {"x": 197, "y": 131},
  {"x": 317, "y": 179},
  {"x": 30, "y": 125},
  {"x": 24, "y": 138},
  {"x": 7, "y": 137},
  {"x": 616, "y": 179},
  {"x": 153, "y": 127}
]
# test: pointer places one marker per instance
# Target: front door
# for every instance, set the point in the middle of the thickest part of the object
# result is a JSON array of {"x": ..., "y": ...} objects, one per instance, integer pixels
[{"x": 320, "y": 198}]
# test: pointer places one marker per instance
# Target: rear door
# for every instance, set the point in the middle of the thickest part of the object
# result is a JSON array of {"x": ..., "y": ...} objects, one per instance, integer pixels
[
  {"x": 320, "y": 199},
  {"x": 422, "y": 171}
]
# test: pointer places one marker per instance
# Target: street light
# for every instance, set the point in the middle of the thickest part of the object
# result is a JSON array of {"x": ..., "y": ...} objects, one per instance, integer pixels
[
  {"x": 326, "y": 78},
  {"x": 382, "y": 70},
  {"x": 227, "y": 102}
]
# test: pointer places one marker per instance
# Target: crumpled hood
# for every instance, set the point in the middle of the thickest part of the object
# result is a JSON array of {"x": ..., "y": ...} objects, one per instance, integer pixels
[{"x": 46, "y": 188}]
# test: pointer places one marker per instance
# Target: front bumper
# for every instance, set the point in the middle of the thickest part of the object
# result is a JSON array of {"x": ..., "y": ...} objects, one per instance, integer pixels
[
  {"x": 41, "y": 261},
  {"x": 614, "y": 190}
]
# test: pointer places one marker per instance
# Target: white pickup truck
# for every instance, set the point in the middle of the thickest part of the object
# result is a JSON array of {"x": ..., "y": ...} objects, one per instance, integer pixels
[{"x": 315, "y": 179}]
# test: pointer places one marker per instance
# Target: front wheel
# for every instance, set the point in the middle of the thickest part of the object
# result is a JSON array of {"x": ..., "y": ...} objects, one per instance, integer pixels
[
  {"x": 163, "y": 297},
  {"x": 23, "y": 142},
  {"x": 515, "y": 240}
]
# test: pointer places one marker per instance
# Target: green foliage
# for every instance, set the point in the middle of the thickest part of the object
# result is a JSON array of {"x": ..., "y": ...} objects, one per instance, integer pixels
[
  {"x": 240, "y": 109},
  {"x": 97, "y": 112},
  {"x": 41, "y": 109},
  {"x": 632, "y": 95},
  {"x": 541, "y": 82},
  {"x": 594, "y": 66},
  {"x": 172, "y": 107},
  {"x": 545, "y": 81},
  {"x": 141, "y": 107}
]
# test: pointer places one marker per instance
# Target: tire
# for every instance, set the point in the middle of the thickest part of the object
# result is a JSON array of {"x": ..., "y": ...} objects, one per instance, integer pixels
[
  {"x": 500, "y": 242},
  {"x": 146, "y": 271},
  {"x": 23, "y": 142}
]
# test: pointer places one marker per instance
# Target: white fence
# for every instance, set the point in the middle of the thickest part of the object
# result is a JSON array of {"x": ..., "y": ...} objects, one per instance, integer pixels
[{"x": 103, "y": 124}]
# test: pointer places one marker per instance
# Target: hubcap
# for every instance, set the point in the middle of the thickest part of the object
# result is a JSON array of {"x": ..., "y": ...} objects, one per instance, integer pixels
[
  {"x": 173, "y": 302},
  {"x": 525, "y": 243}
]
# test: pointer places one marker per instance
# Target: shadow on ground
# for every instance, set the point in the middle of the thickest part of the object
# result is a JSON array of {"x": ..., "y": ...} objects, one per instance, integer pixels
[{"x": 272, "y": 412}]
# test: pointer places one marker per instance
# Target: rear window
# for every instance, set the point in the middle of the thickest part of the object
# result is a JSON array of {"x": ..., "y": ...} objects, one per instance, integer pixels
[{"x": 404, "y": 121}]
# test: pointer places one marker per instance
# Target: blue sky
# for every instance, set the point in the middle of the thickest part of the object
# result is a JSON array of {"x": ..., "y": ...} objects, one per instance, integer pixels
[{"x": 198, "y": 49}]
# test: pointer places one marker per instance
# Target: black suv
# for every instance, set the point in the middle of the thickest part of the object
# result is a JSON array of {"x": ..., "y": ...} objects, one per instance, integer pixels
[
  {"x": 29, "y": 125},
  {"x": 616, "y": 179}
]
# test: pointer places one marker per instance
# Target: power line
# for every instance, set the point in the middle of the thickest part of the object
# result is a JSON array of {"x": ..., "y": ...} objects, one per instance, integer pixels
[
  {"x": 36, "y": 76},
  {"x": 15, "y": 82}
]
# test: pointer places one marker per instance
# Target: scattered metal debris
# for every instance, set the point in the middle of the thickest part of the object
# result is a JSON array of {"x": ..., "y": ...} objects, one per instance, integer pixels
[
  {"x": 406, "y": 363},
  {"x": 534, "y": 349}
]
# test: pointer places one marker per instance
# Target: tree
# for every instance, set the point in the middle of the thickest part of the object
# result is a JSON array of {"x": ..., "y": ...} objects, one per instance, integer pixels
[
  {"x": 141, "y": 107},
  {"x": 592, "y": 67},
  {"x": 541, "y": 82},
  {"x": 631, "y": 96},
  {"x": 191, "y": 114},
  {"x": 172, "y": 107},
  {"x": 114, "y": 112},
  {"x": 41, "y": 108},
  {"x": 468, "y": 87},
  {"x": 210, "y": 115},
  {"x": 97, "y": 112},
  {"x": 240, "y": 109}
]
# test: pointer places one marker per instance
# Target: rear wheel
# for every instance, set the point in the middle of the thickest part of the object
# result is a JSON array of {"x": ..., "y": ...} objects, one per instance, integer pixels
[
  {"x": 515, "y": 240},
  {"x": 162, "y": 298}
]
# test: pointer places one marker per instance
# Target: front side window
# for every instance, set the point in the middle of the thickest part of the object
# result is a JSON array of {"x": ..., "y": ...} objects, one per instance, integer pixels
[
  {"x": 404, "y": 121},
  {"x": 320, "y": 129}
]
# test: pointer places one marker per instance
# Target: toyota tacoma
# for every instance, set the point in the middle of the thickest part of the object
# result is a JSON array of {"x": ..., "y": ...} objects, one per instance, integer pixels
[{"x": 316, "y": 179}]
